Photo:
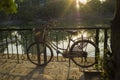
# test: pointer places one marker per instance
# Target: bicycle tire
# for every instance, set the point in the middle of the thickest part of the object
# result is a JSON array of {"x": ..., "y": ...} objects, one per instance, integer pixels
[
  {"x": 82, "y": 54},
  {"x": 39, "y": 55}
]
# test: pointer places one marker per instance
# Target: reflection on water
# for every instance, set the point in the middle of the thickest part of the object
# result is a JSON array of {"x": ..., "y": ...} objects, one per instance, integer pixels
[{"x": 13, "y": 49}]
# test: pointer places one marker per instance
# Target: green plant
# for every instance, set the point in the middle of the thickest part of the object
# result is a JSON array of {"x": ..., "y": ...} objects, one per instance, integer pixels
[{"x": 108, "y": 65}]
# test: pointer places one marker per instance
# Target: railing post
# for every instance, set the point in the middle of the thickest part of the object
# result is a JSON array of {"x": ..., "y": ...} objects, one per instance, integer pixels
[
  {"x": 11, "y": 45},
  {"x": 2, "y": 47},
  {"x": 57, "y": 45},
  {"x": 105, "y": 39},
  {"x": 45, "y": 54},
  {"x": 7, "y": 47},
  {"x": 97, "y": 37},
  {"x": 105, "y": 46},
  {"x": 97, "y": 43},
  {"x": 17, "y": 48},
  {"x": 38, "y": 54}
]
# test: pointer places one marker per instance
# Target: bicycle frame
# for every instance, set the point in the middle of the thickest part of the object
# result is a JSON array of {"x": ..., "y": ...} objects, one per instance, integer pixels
[
  {"x": 78, "y": 51},
  {"x": 54, "y": 46}
]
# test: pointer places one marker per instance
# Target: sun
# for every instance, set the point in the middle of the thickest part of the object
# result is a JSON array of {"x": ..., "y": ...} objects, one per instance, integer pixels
[
  {"x": 83, "y": 1},
  {"x": 80, "y": 1}
]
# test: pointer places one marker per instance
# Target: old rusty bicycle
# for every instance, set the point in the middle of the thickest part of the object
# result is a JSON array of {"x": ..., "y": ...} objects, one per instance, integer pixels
[{"x": 82, "y": 52}]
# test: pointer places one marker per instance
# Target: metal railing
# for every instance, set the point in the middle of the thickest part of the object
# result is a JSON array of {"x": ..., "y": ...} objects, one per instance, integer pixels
[{"x": 14, "y": 42}]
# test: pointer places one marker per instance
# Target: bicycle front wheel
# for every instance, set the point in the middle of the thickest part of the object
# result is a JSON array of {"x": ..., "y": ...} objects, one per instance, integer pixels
[
  {"x": 84, "y": 53},
  {"x": 39, "y": 53}
]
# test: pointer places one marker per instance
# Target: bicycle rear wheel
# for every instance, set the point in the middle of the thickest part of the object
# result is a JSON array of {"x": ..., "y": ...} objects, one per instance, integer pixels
[
  {"x": 39, "y": 53},
  {"x": 84, "y": 53}
]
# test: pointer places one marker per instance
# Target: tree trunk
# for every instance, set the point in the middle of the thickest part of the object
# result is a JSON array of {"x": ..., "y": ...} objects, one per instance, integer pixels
[{"x": 115, "y": 41}]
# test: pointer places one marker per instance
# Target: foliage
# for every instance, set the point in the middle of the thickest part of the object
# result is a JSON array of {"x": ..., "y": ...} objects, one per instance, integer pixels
[
  {"x": 108, "y": 65},
  {"x": 96, "y": 12},
  {"x": 32, "y": 12},
  {"x": 8, "y": 6},
  {"x": 56, "y": 9}
]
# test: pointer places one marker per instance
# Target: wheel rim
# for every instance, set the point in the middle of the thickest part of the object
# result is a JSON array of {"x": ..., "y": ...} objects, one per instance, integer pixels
[
  {"x": 41, "y": 52},
  {"x": 84, "y": 53}
]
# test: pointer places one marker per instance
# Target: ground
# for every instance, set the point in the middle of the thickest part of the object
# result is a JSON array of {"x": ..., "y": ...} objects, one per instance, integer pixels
[
  {"x": 11, "y": 70},
  {"x": 25, "y": 70}
]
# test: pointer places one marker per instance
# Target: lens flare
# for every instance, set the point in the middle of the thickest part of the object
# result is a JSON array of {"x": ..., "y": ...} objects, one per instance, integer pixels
[{"x": 77, "y": 4}]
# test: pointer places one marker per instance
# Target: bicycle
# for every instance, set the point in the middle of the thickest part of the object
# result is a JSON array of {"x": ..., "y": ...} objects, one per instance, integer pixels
[{"x": 78, "y": 52}]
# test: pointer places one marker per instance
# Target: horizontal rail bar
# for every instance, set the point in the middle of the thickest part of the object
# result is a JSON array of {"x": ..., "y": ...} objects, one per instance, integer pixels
[
  {"x": 59, "y": 28},
  {"x": 26, "y": 37}
]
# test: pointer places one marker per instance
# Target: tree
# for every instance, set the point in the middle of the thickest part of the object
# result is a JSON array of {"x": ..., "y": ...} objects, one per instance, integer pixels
[
  {"x": 56, "y": 9},
  {"x": 115, "y": 44},
  {"x": 90, "y": 12},
  {"x": 95, "y": 12},
  {"x": 8, "y": 6}
]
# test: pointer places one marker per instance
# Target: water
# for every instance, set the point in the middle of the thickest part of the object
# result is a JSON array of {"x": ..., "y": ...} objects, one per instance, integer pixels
[{"x": 12, "y": 49}]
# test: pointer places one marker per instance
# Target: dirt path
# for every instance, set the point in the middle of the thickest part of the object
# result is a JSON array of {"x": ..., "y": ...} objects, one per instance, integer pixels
[{"x": 11, "y": 70}]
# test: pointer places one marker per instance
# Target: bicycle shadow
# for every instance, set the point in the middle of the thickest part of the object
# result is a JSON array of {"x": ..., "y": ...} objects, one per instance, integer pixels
[
  {"x": 82, "y": 77},
  {"x": 34, "y": 74}
]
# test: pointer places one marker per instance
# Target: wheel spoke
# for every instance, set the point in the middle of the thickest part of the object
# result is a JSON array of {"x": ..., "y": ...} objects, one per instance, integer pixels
[
  {"x": 42, "y": 53},
  {"x": 83, "y": 50}
]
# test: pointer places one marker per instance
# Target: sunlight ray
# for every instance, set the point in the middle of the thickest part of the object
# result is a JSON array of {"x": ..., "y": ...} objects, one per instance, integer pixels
[{"x": 68, "y": 6}]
